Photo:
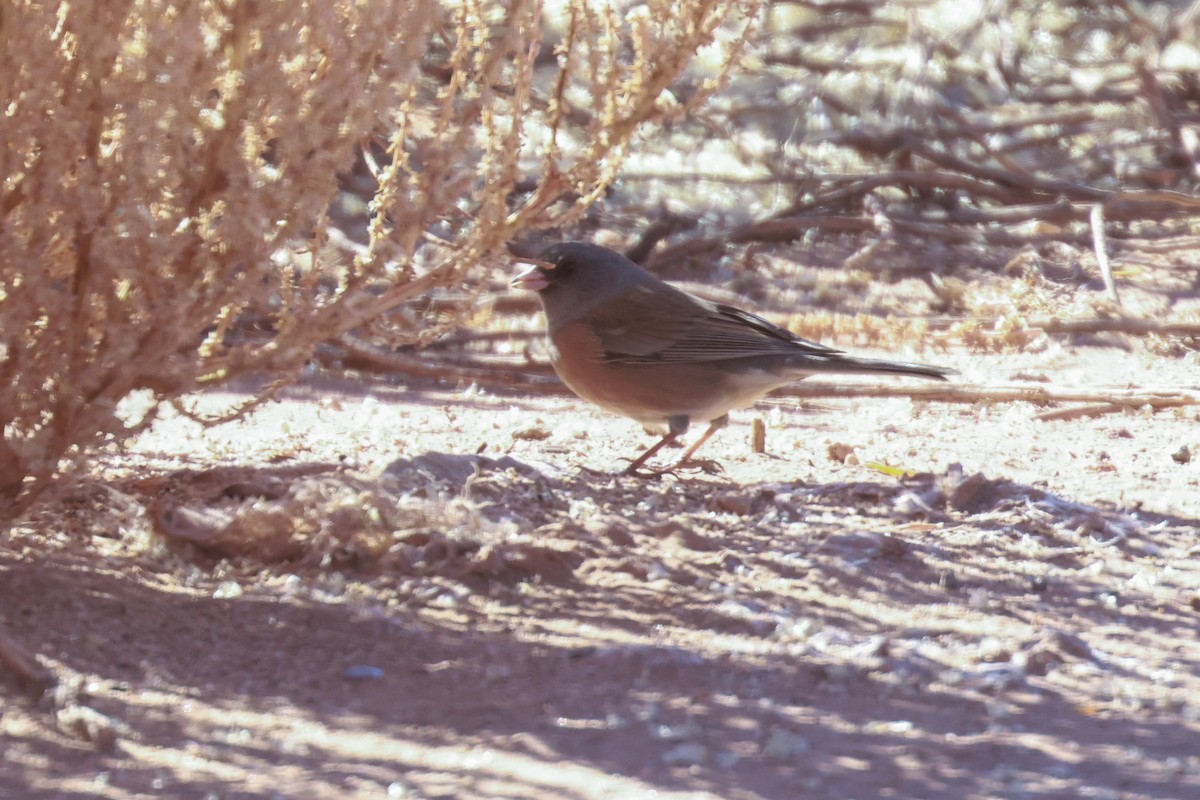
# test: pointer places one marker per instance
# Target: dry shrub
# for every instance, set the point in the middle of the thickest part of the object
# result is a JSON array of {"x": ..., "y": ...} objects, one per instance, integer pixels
[{"x": 168, "y": 167}]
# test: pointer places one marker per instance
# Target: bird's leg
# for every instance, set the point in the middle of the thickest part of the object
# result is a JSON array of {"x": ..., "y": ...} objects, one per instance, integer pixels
[
  {"x": 676, "y": 427},
  {"x": 632, "y": 469},
  {"x": 705, "y": 464}
]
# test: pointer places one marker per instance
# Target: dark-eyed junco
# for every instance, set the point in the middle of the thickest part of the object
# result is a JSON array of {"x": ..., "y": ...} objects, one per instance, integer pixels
[{"x": 637, "y": 346}]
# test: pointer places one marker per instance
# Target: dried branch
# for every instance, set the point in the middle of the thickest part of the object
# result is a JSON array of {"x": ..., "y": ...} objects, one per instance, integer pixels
[
  {"x": 1041, "y": 394},
  {"x": 351, "y": 354},
  {"x": 1100, "y": 247}
]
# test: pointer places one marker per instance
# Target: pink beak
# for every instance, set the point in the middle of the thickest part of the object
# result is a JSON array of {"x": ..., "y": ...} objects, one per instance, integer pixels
[{"x": 532, "y": 279}]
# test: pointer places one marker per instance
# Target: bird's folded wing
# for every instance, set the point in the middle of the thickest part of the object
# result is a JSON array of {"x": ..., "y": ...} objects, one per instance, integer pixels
[
  {"x": 642, "y": 322},
  {"x": 746, "y": 322},
  {"x": 648, "y": 326}
]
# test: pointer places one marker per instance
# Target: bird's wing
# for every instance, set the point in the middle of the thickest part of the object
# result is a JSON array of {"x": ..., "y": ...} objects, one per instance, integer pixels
[
  {"x": 647, "y": 325},
  {"x": 643, "y": 321},
  {"x": 730, "y": 332}
]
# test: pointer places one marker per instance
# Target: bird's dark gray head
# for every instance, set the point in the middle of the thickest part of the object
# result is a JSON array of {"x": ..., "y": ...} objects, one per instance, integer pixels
[{"x": 572, "y": 278}]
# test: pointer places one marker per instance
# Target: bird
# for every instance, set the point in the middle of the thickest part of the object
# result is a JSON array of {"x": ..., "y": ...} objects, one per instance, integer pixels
[{"x": 639, "y": 347}]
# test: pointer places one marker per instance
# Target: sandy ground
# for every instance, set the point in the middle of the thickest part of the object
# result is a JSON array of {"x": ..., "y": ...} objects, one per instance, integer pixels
[
  {"x": 372, "y": 590},
  {"x": 398, "y": 617}
]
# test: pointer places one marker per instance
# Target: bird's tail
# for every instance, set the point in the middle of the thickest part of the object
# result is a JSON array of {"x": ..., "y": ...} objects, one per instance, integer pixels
[{"x": 852, "y": 365}]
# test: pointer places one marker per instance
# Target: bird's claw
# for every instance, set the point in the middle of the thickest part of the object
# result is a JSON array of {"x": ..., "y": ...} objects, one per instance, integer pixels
[{"x": 706, "y": 465}]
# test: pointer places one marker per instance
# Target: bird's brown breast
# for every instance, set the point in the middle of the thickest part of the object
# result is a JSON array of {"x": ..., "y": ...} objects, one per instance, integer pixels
[{"x": 650, "y": 392}]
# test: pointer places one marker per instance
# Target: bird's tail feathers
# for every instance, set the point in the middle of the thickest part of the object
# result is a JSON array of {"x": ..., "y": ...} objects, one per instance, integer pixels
[{"x": 853, "y": 365}]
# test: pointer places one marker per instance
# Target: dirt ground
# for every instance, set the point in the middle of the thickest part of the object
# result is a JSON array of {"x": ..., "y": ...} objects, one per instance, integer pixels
[{"x": 394, "y": 590}]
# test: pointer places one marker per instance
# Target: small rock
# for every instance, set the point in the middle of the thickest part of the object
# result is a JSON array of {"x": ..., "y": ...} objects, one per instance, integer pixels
[
  {"x": 731, "y": 563},
  {"x": 874, "y": 647},
  {"x": 892, "y": 547},
  {"x": 363, "y": 672},
  {"x": 1070, "y": 644},
  {"x": 1182, "y": 456},
  {"x": 686, "y": 754},
  {"x": 664, "y": 528},
  {"x": 890, "y": 726},
  {"x": 89, "y": 725},
  {"x": 733, "y": 503},
  {"x": 841, "y": 453},
  {"x": 911, "y": 504},
  {"x": 994, "y": 651},
  {"x": 228, "y": 590},
  {"x": 1046, "y": 652},
  {"x": 611, "y": 528},
  {"x": 949, "y": 581},
  {"x": 858, "y": 546},
  {"x": 397, "y": 790},
  {"x": 657, "y": 571},
  {"x": 453, "y": 469},
  {"x": 531, "y": 434},
  {"x": 676, "y": 535},
  {"x": 783, "y": 744},
  {"x": 960, "y": 489},
  {"x": 991, "y": 678}
]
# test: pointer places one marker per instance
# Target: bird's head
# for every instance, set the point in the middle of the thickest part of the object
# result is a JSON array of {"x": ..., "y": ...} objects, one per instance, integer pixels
[{"x": 571, "y": 278}]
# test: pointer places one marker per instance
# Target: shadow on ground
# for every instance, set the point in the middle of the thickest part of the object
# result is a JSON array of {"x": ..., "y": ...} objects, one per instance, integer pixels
[{"x": 824, "y": 640}]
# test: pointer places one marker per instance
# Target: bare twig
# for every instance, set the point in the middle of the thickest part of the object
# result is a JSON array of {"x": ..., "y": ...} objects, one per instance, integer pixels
[
  {"x": 353, "y": 354},
  {"x": 1124, "y": 397},
  {"x": 1096, "y": 218},
  {"x": 1140, "y": 327},
  {"x": 1079, "y": 412}
]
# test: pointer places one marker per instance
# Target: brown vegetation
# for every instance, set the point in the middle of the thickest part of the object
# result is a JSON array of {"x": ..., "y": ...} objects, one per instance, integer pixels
[{"x": 168, "y": 168}]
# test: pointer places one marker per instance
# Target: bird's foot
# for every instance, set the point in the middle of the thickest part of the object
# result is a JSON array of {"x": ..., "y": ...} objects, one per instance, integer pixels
[
  {"x": 706, "y": 465},
  {"x": 636, "y": 470}
]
